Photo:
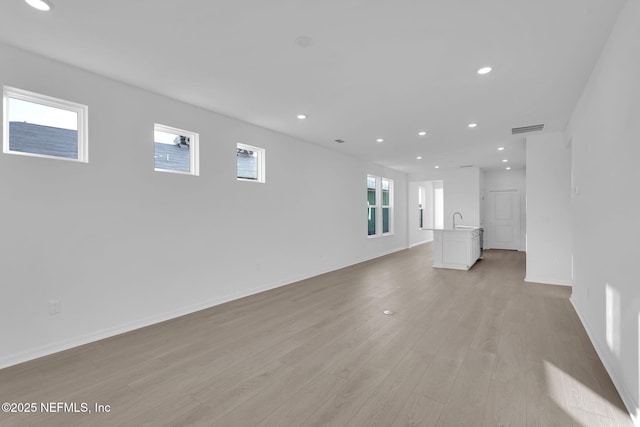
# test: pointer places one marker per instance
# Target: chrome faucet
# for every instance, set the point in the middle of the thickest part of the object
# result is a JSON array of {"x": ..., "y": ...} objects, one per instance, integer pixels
[{"x": 454, "y": 218}]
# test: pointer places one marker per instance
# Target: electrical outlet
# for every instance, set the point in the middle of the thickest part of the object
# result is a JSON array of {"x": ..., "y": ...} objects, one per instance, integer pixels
[{"x": 55, "y": 307}]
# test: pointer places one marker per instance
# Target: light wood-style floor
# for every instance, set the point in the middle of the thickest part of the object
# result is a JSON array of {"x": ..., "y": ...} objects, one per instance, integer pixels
[{"x": 476, "y": 348}]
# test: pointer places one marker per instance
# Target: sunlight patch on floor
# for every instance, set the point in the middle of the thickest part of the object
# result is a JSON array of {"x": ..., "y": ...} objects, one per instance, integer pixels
[
  {"x": 582, "y": 403},
  {"x": 612, "y": 301}
]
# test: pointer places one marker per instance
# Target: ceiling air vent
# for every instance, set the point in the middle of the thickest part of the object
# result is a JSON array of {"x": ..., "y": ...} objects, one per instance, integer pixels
[
  {"x": 525, "y": 129},
  {"x": 467, "y": 166},
  {"x": 339, "y": 141}
]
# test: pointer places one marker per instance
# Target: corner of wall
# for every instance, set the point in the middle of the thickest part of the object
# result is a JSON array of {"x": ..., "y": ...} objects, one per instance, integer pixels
[{"x": 627, "y": 397}]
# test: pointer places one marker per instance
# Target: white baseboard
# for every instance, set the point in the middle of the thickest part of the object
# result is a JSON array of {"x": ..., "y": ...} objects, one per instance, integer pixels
[
  {"x": 420, "y": 243},
  {"x": 549, "y": 281},
  {"x": 55, "y": 347},
  {"x": 632, "y": 407}
]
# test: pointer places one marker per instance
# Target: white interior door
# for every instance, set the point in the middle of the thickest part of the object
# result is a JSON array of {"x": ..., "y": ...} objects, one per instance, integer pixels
[{"x": 504, "y": 220}]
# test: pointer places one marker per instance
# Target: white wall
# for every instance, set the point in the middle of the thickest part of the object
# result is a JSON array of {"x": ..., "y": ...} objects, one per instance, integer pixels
[
  {"x": 461, "y": 193},
  {"x": 417, "y": 236},
  {"x": 549, "y": 236},
  {"x": 122, "y": 246},
  {"x": 606, "y": 205},
  {"x": 507, "y": 180}
]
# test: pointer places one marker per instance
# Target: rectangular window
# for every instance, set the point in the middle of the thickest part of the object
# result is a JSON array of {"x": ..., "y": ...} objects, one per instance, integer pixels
[
  {"x": 176, "y": 150},
  {"x": 371, "y": 203},
  {"x": 421, "y": 194},
  {"x": 250, "y": 162},
  {"x": 386, "y": 205},
  {"x": 43, "y": 126},
  {"x": 379, "y": 205}
]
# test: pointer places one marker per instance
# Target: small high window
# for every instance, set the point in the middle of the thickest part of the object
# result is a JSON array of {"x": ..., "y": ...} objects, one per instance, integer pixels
[
  {"x": 43, "y": 126},
  {"x": 176, "y": 150},
  {"x": 250, "y": 163}
]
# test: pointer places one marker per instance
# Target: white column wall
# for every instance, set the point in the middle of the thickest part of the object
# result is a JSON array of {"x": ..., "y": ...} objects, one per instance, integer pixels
[{"x": 549, "y": 236}]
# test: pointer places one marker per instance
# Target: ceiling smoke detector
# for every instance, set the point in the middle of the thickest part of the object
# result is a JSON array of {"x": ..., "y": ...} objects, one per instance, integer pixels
[
  {"x": 525, "y": 129},
  {"x": 304, "y": 41}
]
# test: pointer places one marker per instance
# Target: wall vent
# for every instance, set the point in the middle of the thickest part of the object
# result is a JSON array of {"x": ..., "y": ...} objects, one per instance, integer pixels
[
  {"x": 525, "y": 129},
  {"x": 339, "y": 141}
]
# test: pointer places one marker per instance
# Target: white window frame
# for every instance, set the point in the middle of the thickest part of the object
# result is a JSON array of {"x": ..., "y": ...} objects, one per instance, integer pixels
[
  {"x": 421, "y": 207},
  {"x": 388, "y": 206},
  {"x": 379, "y": 206},
  {"x": 194, "y": 148},
  {"x": 376, "y": 206},
  {"x": 260, "y": 162},
  {"x": 81, "y": 110}
]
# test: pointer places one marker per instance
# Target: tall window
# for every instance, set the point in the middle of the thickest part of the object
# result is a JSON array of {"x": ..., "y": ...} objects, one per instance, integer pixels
[
  {"x": 379, "y": 206},
  {"x": 176, "y": 150},
  {"x": 386, "y": 205},
  {"x": 250, "y": 163},
  {"x": 43, "y": 126},
  {"x": 372, "y": 204},
  {"x": 421, "y": 207}
]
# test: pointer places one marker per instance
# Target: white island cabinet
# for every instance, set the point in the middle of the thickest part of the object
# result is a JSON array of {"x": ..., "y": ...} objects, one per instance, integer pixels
[{"x": 458, "y": 248}]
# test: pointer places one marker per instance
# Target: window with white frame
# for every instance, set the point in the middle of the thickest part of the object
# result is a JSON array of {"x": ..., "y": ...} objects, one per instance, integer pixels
[
  {"x": 379, "y": 206},
  {"x": 421, "y": 197},
  {"x": 372, "y": 204},
  {"x": 44, "y": 126},
  {"x": 176, "y": 150},
  {"x": 250, "y": 162}
]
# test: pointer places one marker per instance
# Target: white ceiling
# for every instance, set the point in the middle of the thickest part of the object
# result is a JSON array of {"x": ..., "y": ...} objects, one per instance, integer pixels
[{"x": 376, "y": 68}]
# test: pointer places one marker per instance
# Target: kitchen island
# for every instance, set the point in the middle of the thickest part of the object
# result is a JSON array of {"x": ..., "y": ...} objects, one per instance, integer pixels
[{"x": 457, "y": 248}]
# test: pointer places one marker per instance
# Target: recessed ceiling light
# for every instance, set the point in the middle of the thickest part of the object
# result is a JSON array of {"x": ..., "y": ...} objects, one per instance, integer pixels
[
  {"x": 43, "y": 5},
  {"x": 301, "y": 116},
  {"x": 437, "y": 167},
  {"x": 422, "y": 133},
  {"x": 472, "y": 125},
  {"x": 419, "y": 158},
  {"x": 484, "y": 70},
  {"x": 508, "y": 168},
  {"x": 379, "y": 140},
  {"x": 500, "y": 148},
  {"x": 504, "y": 160}
]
